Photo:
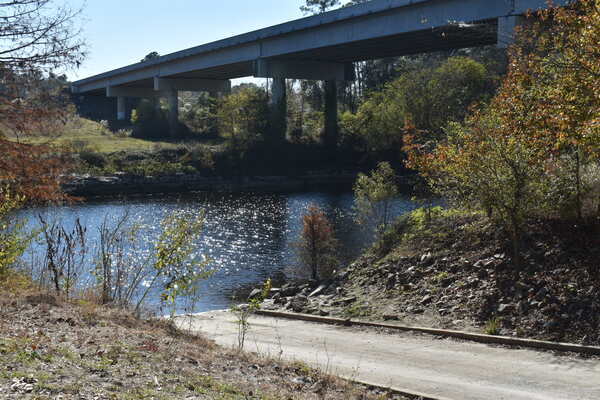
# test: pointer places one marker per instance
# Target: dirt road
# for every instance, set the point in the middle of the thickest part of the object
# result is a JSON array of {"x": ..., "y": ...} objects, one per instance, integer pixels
[{"x": 446, "y": 368}]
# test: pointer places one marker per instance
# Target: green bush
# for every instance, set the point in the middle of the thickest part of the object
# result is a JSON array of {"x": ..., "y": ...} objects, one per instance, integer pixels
[
  {"x": 427, "y": 98},
  {"x": 93, "y": 159},
  {"x": 149, "y": 120},
  {"x": 373, "y": 195},
  {"x": 14, "y": 239},
  {"x": 151, "y": 167}
]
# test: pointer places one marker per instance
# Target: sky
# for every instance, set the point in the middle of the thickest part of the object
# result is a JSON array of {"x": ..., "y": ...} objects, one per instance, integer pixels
[{"x": 122, "y": 32}]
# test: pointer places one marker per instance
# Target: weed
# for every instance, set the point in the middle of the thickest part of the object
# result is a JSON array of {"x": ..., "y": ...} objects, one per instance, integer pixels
[
  {"x": 492, "y": 327},
  {"x": 357, "y": 310},
  {"x": 441, "y": 276},
  {"x": 244, "y": 311}
]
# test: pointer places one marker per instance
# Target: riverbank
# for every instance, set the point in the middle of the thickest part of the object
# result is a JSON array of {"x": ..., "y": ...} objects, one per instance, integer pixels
[
  {"x": 456, "y": 272},
  {"x": 78, "y": 350},
  {"x": 126, "y": 184}
]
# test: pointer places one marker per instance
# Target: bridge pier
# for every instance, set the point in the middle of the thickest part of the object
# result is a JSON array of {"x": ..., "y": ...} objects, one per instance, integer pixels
[
  {"x": 506, "y": 29},
  {"x": 173, "y": 98},
  {"x": 279, "y": 70},
  {"x": 330, "y": 138},
  {"x": 121, "y": 109},
  {"x": 278, "y": 109}
]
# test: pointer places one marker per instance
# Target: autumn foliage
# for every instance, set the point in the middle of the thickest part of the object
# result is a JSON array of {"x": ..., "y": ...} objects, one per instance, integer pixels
[
  {"x": 533, "y": 150},
  {"x": 27, "y": 107},
  {"x": 317, "y": 245},
  {"x": 36, "y": 39}
]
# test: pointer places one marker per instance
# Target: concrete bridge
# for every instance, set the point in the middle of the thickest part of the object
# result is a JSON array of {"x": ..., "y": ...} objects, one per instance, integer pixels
[{"x": 321, "y": 47}]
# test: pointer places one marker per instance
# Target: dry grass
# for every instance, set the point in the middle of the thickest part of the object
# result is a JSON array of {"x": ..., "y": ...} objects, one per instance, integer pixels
[
  {"x": 51, "y": 348},
  {"x": 81, "y": 133}
]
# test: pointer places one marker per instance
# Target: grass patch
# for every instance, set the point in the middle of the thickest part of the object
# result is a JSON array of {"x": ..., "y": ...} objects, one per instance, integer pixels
[
  {"x": 492, "y": 326},
  {"x": 81, "y": 133}
]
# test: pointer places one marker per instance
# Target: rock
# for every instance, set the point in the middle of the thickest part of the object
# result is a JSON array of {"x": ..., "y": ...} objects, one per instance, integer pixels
[
  {"x": 426, "y": 300},
  {"x": 255, "y": 294},
  {"x": 446, "y": 282},
  {"x": 298, "y": 303},
  {"x": 541, "y": 294},
  {"x": 551, "y": 325},
  {"x": 505, "y": 308},
  {"x": 391, "y": 281},
  {"x": 390, "y": 317},
  {"x": 317, "y": 291},
  {"x": 289, "y": 290},
  {"x": 269, "y": 304},
  {"x": 522, "y": 306},
  {"x": 426, "y": 259}
]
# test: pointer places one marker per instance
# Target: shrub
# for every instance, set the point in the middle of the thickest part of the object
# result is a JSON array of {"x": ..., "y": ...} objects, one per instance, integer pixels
[
  {"x": 175, "y": 260},
  {"x": 373, "y": 195},
  {"x": 429, "y": 98},
  {"x": 243, "y": 117},
  {"x": 93, "y": 159},
  {"x": 244, "y": 311},
  {"x": 149, "y": 120},
  {"x": 317, "y": 246},
  {"x": 13, "y": 237}
]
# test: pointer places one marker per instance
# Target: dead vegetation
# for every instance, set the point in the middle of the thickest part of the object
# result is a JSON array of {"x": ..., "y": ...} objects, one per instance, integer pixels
[{"x": 53, "y": 348}]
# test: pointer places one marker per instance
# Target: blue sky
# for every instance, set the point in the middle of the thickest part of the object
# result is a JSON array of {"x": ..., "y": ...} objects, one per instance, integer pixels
[{"x": 121, "y": 32}]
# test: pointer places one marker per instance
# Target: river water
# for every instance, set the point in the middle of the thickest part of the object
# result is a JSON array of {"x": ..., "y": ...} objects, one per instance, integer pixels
[{"x": 248, "y": 237}]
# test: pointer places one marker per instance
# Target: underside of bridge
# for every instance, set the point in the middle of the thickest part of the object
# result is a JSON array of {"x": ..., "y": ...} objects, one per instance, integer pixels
[{"x": 310, "y": 49}]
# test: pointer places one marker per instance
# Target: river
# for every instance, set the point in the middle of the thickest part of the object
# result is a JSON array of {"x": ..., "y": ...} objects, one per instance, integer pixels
[{"x": 248, "y": 237}]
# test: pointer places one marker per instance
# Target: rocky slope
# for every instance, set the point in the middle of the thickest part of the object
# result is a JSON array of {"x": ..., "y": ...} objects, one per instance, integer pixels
[{"x": 456, "y": 272}]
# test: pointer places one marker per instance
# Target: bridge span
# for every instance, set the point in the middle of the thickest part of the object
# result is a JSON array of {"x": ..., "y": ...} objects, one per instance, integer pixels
[{"x": 321, "y": 47}]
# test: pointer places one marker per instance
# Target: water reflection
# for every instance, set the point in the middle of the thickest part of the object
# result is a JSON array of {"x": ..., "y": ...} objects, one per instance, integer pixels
[{"x": 248, "y": 237}]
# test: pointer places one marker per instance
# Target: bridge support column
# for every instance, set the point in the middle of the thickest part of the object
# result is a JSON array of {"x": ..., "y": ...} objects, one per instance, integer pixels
[
  {"x": 121, "y": 109},
  {"x": 173, "y": 99},
  {"x": 278, "y": 109},
  {"x": 506, "y": 29},
  {"x": 331, "y": 116}
]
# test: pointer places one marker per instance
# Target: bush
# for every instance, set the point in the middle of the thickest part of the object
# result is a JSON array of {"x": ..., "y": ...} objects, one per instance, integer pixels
[
  {"x": 93, "y": 159},
  {"x": 373, "y": 195},
  {"x": 243, "y": 117},
  {"x": 427, "y": 98},
  {"x": 149, "y": 121},
  {"x": 13, "y": 237},
  {"x": 317, "y": 246}
]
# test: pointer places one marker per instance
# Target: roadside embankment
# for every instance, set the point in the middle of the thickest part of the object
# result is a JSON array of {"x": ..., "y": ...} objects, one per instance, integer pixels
[{"x": 456, "y": 272}]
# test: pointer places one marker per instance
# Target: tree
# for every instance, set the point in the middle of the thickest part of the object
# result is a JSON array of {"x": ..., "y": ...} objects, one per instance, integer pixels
[
  {"x": 318, "y": 6},
  {"x": 558, "y": 59},
  {"x": 243, "y": 117},
  {"x": 317, "y": 246},
  {"x": 36, "y": 37},
  {"x": 427, "y": 98},
  {"x": 525, "y": 155},
  {"x": 373, "y": 195},
  {"x": 153, "y": 55}
]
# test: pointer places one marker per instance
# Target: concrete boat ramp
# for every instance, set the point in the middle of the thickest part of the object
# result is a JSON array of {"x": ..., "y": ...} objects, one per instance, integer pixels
[{"x": 437, "y": 367}]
